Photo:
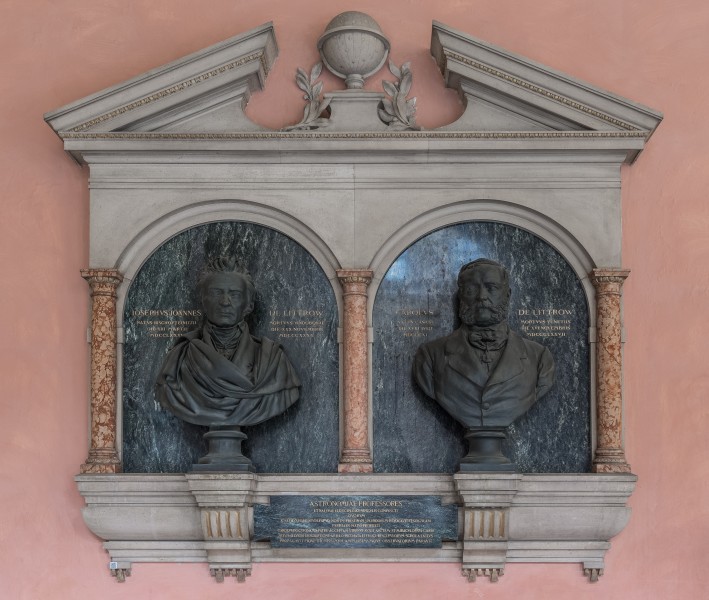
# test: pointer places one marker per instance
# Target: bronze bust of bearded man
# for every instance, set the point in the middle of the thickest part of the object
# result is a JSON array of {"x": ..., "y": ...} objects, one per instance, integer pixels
[
  {"x": 220, "y": 375},
  {"x": 484, "y": 374}
]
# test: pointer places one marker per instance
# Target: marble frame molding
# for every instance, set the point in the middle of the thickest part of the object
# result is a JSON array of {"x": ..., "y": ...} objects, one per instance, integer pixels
[{"x": 478, "y": 556}]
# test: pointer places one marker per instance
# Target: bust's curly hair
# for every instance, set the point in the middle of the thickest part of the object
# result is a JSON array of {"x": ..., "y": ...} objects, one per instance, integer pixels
[{"x": 226, "y": 264}]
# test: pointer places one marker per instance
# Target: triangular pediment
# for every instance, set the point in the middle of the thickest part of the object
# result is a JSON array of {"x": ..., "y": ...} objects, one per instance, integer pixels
[
  {"x": 202, "y": 96},
  {"x": 205, "y": 91},
  {"x": 506, "y": 92}
]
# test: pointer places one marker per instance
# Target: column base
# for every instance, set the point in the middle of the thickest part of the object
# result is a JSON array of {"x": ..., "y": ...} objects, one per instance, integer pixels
[
  {"x": 102, "y": 461},
  {"x": 355, "y": 468},
  {"x": 610, "y": 460},
  {"x": 355, "y": 460}
]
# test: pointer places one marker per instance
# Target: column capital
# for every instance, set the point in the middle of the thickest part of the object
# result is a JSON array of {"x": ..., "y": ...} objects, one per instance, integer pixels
[
  {"x": 349, "y": 276},
  {"x": 603, "y": 276},
  {"x": 103, "y": 282}
]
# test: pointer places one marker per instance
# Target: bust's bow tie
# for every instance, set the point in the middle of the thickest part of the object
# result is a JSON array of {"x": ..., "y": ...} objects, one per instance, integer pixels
[{"x": 487, "y": 338}]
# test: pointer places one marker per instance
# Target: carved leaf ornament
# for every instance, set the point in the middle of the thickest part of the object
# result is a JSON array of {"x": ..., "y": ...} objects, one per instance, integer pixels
[
  {"x": 397, "y": 111},
  {"x": 315, "y": 106}
]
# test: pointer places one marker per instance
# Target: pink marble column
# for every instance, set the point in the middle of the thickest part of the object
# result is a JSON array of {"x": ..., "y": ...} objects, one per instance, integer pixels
[
  {"x": 356, "y": 456},
  {"x": 103, "y": 455},
  {"x": 610, "y": 456}
]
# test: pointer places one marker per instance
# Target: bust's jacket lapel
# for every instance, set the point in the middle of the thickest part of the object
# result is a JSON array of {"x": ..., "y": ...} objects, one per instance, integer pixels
[
  {"x": 461, "y": 358},
  {"x": 512, "y": 362}
]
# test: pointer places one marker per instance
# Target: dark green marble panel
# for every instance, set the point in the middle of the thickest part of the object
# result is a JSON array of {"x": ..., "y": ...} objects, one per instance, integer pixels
[
  {"x": 416, "y": 302},
  {"x": 295, "y": 305}
]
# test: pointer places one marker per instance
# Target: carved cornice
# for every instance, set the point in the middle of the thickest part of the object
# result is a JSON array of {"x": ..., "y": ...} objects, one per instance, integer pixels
[
  {"x": 448, "y": 55},
  {"x": 188, "y": 88},
  {"x": 283, "y": 135},
  {"x": 173, "y": 89},
  {"x": 542, "y": 525}
]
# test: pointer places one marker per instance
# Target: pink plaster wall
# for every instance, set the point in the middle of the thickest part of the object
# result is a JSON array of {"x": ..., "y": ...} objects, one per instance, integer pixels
[{"x": 652, "y": 51}]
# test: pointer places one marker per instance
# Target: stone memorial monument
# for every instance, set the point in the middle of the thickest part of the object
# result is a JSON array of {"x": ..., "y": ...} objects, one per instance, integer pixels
[
  {"x": 356, "y": 186},
  {"x": 484, "y": 374},
  {"x": 220, "y": 375}
]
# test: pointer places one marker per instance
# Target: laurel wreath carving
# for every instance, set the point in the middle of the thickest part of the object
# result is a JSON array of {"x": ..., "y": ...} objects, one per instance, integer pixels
[
  {"x": 313, "y": 113},
  {"x": 396, "y": 111}
]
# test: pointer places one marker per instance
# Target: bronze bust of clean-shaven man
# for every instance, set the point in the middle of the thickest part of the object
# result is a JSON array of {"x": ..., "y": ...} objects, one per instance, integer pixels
[{"x": 220, "y": 375}]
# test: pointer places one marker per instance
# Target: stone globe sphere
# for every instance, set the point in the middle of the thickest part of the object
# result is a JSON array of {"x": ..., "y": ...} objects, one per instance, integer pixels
[{"x": 353, "y": 47}]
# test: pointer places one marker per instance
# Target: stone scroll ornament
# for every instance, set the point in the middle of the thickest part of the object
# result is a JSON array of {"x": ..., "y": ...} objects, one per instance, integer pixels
[
  {"x": 484, "y": 374},
  {"x": 220, "y": 375}
]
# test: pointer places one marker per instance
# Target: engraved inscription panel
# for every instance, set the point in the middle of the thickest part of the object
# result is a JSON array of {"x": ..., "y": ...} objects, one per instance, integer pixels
[
  {"x": 165, "y": 322},
  {"x": 416, "y": 322},
  {"x": 355, "y": 522},
  {"x": 301, "y": 322},
  {"x": 545, "y": 322}
]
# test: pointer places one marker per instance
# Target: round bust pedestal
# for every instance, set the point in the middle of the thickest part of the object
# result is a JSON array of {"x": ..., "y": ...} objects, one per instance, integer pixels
[
  {"x": 224, "y": 451},
  {"x": 485, "y": 450}
]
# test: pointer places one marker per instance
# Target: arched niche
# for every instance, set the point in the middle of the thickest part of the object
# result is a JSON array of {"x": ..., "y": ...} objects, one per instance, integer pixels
[
  {"x": 494, "y": 210},
  {"x": 143, "y": 243},
  {"x": 416, "y": 302},
  {"x": 295, "y": 306}
]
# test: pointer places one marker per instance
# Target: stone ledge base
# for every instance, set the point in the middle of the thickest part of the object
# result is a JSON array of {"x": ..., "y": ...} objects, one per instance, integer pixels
[{"x": 552, "y": 518}]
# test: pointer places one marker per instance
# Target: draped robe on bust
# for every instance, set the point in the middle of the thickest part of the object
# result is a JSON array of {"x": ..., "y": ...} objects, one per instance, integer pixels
[{"x": 201, "y": 386}]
